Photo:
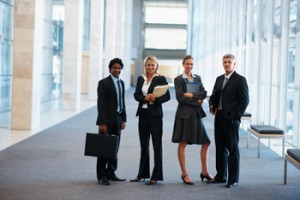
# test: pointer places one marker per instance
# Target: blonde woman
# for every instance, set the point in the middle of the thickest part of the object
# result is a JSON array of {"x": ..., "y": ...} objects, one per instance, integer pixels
[{"x": 150, "y": 120}]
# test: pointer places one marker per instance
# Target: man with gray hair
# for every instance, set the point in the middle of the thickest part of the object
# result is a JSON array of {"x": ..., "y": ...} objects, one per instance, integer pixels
[{"x": 228, "y": 102}]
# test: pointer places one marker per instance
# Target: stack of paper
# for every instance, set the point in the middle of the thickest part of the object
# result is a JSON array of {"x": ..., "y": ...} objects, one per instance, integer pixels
[{"x": 160, "y": 90}]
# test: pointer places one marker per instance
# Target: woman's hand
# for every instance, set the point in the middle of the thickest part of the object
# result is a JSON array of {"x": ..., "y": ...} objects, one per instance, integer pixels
[
  {"x": 187, "y": 94},
  {"x": 200, "y": 101},
  {"x": 150, "y": 97}
]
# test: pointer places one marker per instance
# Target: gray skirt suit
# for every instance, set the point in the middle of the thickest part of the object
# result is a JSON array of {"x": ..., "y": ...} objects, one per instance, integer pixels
[{"x": 188, "y": 125}]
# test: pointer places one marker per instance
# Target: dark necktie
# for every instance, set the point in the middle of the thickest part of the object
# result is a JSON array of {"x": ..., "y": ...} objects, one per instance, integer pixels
[
  {"x": 119, "y": 97},
  {"x": 220, "y": 102}
]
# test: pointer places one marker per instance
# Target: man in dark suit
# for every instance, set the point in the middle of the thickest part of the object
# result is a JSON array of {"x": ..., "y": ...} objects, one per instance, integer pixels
[
  {"x": 111, "y": 117},
  {"x": 228, "y": 102}
]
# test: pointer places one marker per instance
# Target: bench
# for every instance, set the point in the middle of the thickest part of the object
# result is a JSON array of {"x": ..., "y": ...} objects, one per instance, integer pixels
[
  {"x": 292, "y": 156},
  {"x": 267, "y": 132},
  {"x": 246, "y": 117}
]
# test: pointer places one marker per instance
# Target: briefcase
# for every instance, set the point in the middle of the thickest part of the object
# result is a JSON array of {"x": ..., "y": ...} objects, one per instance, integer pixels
[{"x": 100, "y": 145}]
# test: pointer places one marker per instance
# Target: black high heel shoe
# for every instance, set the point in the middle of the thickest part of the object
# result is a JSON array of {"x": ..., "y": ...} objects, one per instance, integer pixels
[
  {"x": 206, "y": 176},
  {"x": 151, "y": 182},
  {"x": 137, "y": 179},
  {"x": 188, "y": 183}
]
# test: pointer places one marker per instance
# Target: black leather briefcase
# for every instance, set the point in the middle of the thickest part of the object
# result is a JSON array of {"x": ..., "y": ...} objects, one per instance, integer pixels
[{"x": 100, "y": 145}]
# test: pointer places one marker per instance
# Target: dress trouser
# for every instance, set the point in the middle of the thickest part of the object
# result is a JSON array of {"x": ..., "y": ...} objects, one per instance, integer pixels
[
  {"x": 150, "y": 126},
  {"x": 227, "y": 150},
  {"x": 108, "y": 166}
]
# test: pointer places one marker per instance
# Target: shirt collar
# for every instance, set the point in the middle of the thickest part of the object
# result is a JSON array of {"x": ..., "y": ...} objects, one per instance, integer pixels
[
  {"x": 115, "y": 79},
  {"x": 145, "y": 76},
  {"x": 185, "y": 76},
  {"x": 229, "y": 75}
]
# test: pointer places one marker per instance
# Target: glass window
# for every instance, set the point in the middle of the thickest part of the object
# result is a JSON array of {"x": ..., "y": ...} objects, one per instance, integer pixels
[
  {"x": 166, "y": 14},
  {"x": 165, "y": 33},
  {"x": 159, "y": 38},
  {"x": 86, "y": 25},
  {"x": 291, "y": 72},
  {"x": 5, "y": 61},
  {"x": 51, "y": 92}
]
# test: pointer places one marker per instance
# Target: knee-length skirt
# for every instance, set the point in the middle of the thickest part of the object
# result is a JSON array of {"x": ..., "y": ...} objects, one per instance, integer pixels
[{"x": 191, "y": 130}]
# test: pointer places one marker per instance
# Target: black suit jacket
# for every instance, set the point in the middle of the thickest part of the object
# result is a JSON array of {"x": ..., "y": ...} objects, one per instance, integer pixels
[
  {"x": 235, "y": 96},
  {"x": 186, "y": 105},
  {"x": 107, "y": 102},
  {"x": 155, "y": 109}
]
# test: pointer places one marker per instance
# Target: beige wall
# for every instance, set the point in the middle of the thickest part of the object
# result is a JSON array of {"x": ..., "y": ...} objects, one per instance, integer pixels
[{"x": 85, "y": 73}]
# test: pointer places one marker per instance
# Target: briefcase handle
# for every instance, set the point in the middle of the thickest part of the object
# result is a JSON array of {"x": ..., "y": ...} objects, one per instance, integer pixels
[{"x": 107, "y": 134}]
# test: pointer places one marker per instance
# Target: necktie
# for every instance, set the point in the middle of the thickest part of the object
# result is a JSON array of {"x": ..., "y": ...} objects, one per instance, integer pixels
[
  {"x": 224, "y": 82},
  {"x": 220, "y": 102},
  {"x": 119, "y": 97}
]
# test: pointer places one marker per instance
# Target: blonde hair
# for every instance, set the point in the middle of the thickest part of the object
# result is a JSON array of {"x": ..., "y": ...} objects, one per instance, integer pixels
[{"x": 154, "y": 59}]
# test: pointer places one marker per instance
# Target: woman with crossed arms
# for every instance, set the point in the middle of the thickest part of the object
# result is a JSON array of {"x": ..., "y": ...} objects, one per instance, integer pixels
[{"x": 188, "y": 126}]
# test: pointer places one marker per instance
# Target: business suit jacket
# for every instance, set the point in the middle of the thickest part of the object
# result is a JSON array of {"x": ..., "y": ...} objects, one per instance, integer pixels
[
  {"x": 150, "y": 122},
  {"x": 186, "y": 105},
  {"x": 155, "y": 109},
  {"x": 235, "y": 97},
  {"x": 108, "y": 103}
]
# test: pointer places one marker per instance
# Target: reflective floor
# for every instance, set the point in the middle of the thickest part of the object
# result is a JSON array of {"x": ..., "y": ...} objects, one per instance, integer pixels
[{"x": 10, "y": 137}]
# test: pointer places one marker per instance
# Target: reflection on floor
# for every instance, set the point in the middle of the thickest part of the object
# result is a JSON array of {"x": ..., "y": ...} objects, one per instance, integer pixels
[{"x": 10, "y": 137}]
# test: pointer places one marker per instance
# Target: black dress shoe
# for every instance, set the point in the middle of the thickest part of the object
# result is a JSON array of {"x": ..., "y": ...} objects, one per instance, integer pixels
[
  {"x": 136, "y": 179},
  {"x": 231, "y": 185},
  {"x": 103, "y": 181},
  {"x": 216, "y": 181},
  {"x": 115, "y": 178},
  {"x": 151, "y": 182}
]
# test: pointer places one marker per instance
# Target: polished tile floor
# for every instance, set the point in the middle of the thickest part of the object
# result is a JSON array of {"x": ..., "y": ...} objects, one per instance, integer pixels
[{"x": 10, "y": 137}]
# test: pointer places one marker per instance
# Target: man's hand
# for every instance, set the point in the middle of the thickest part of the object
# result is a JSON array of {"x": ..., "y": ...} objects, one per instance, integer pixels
[
  {"x": 103, "y": 129},
  {"x": 212, "y": 110},
  {"x": 123, "y": 125}
]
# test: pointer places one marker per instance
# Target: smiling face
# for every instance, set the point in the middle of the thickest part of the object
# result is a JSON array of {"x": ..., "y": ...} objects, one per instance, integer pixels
[
  {"x": 116, "y": 70},
  {"x": 151, "y": 67},
  {"x": 188, "y": 65}
]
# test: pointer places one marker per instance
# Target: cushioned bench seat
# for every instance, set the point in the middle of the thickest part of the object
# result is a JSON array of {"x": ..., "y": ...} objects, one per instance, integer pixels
[
  {"x": 246, "y": 114},
  {"x": 266, "y": 129},
  {"x": 294, "y": 153},
  {"x": 292, "y": 156},
  {"x": 267, "y": 132}
]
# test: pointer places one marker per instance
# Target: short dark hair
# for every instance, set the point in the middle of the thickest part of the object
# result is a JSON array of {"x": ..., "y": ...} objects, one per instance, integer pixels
[{"x": 115, "y": 60}]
